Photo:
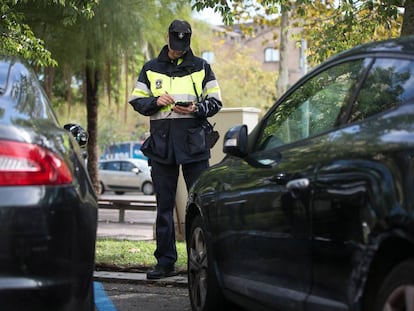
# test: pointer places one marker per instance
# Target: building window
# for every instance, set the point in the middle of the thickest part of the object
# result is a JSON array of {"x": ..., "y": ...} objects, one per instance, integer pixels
[
  {"x": 271, "y": 55},
  {"x": 208, "y": 56}
]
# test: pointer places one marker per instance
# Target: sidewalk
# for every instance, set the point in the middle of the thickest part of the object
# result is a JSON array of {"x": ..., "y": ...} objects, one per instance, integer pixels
[
  {"x": 126, "y": 231},
  {"x": 138, "y": 278},
  {"x": 139, "y": 226}
]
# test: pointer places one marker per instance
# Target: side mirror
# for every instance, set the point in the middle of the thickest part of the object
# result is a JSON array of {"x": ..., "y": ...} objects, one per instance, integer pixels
[
  {"x": 136, "y": 170},
  {"x": 235, "y": 141},
  {"x": 78, "y": 132}
]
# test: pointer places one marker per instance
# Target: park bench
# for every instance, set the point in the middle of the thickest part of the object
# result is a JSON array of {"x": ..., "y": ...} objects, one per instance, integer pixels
[{"x": 123, "y": 205}]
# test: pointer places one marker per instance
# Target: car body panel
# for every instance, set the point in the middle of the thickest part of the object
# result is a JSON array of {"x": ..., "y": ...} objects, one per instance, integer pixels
[
  {"x": 124, "y": 174},
  {"x": 303, "y": 217},
  {"x": 48, "y": 232}
]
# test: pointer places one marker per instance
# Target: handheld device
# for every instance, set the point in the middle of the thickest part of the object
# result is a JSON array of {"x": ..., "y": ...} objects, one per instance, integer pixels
[{"x": 183, "y": 104}]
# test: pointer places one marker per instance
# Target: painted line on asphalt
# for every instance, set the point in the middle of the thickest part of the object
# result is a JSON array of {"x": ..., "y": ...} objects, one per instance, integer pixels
[{"x": 102, "y": 301}]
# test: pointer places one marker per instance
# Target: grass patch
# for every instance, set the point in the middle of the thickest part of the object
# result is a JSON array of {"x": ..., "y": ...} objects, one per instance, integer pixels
[{"x": 126, "y": 254}]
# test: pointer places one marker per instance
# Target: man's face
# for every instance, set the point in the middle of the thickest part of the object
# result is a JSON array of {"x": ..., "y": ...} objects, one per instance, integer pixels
[{"x": 173, "y": 54}]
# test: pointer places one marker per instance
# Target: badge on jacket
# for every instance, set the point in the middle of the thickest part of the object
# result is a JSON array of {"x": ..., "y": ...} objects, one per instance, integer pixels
[{"x": 158, "y": 84}]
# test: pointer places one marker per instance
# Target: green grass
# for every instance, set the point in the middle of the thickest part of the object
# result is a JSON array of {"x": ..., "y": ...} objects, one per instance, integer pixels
[{"x": 132, "y": 255}]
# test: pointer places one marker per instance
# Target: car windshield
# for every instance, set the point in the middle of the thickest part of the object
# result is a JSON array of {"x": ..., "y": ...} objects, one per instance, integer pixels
[{"x": 22, "y": 99}]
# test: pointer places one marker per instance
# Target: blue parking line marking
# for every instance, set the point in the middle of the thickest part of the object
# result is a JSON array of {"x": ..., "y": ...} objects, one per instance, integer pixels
[{"x": 102, "y": 301}]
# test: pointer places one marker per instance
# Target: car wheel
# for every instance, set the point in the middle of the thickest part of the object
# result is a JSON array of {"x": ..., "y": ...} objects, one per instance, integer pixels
[
  {"x": 397, "y": 290},
  {"x": 203, "y": 287},
  {"x": 101, "y": 188},
  {"x": 148, "y": 188}
]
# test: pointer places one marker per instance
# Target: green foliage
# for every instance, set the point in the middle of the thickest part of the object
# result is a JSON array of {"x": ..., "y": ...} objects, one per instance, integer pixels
[
  {"x": 330, "y": 26},
  {"x": 334, "y": 26},
  {"x": 126, "y": 253},
  {"x": 18, "y": 38},
  {"x": 242, "y": 80}
]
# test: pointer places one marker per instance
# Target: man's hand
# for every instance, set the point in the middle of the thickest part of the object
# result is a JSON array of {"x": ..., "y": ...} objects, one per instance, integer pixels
[
  {"x": 184, "y": 110},
  {"x": 165, "y": 99}
]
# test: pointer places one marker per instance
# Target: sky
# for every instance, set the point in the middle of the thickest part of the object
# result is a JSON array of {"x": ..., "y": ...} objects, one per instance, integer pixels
[{"x": 208, "y": 15}]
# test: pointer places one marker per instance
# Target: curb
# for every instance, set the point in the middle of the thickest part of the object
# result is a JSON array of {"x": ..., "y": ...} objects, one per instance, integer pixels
[{"x": 139, "y": 278}]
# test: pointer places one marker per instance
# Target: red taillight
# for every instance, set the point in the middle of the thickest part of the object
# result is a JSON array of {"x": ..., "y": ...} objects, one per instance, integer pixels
[{"x": 28, "y": 164}]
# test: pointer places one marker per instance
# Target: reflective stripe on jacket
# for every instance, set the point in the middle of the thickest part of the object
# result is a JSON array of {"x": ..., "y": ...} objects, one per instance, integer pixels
[{"x": 189, "y": 78}]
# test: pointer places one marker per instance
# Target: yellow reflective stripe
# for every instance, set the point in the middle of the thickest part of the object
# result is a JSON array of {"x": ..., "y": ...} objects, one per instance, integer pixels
[
  {"x": 139, "y": 93},
  {"x": 181, "y": 88},
  {"x": 159, "y": 83},
  {"x": 166, "y": 108},
  {"x": 141, "y": 90},
  {"x": 198, "y": 77},
  {"x": 212, "y": 89}
]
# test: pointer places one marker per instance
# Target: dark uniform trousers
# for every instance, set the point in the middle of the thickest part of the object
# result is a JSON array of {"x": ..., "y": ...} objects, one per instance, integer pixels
[{"x": 165, "y": 178}]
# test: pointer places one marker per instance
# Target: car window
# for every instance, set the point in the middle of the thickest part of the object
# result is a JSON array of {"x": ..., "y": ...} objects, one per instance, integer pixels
[
  {"x": 312, "y": 108},
  {"x": 390, "y": 83},
  {"x": 127, "y": 166},
  {"x": 112, "y": 166}
]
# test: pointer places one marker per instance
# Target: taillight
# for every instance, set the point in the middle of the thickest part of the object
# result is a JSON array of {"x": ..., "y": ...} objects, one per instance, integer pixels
[{"x": 28, "y": 164}]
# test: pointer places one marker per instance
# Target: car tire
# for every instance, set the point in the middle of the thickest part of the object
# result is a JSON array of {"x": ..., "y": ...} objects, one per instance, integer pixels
[
  {"x": 203, "y": 287},
  {"x": 148, "y": 188},
  {"x": 397, "y": 290}
]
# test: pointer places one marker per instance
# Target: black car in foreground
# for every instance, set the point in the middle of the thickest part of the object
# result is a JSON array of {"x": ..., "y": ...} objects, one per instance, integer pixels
[
  {"x": 314, "y": 209},
  {"x": 48, "y": 208}
]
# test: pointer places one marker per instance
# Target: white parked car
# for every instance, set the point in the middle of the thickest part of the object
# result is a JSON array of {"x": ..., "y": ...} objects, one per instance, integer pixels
[{"x": 125, "y": 175}]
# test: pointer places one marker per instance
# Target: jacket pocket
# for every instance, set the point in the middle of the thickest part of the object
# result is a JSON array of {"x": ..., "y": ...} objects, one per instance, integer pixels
[
  {"x": 156, "y": 144},
  {"x": 196, "y": 141}
]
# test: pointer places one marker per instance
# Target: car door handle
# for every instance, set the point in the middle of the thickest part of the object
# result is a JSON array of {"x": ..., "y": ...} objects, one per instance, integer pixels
[
  {"x": 279, "y": 179},
  {"x": 298, "y": 184}
]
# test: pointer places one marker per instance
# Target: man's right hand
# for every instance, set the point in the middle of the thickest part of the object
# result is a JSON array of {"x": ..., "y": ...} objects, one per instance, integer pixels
[{"x": 165, "y": 99}]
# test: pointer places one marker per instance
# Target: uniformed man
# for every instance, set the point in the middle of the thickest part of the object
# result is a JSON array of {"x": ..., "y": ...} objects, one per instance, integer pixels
[{"x": 178, "y": 91}]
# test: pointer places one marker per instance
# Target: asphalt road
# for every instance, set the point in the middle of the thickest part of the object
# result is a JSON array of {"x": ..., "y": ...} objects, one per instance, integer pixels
[
  {"x": 136, "y": 297},
  {"x": 130, "y": 296}
]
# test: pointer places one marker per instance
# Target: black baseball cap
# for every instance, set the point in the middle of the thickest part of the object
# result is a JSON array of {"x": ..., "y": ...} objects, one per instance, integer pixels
[{"x": 180, "y": 35}]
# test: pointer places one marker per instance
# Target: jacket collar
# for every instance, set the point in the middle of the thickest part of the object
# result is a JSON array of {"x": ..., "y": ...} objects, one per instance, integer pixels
[{"x": 187, "y": 59}]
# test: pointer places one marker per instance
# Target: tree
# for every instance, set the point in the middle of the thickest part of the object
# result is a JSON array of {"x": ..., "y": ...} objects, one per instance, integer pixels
[
  {"x": 407, "y": 27},
  {"x": 17, "y": 37},
  {"x": 333, "y": 26},
  {"x": 330, "y": 26},
  {"x": 88, "y": 45},
  {"x": 239, "y": 74},
  {"x": 283, "y": 79}
]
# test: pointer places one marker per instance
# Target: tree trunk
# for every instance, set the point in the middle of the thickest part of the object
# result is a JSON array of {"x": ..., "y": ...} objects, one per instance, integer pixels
[
  {"x": 92, "y": 80},
  {"x": 48, "y": 84},
  {"x": 126, "y": 89},
  {"x": 108, "y": 82},
  {"x": 283, "y": 79},
  {"x": 118, "y": 83},
  {"x": 408, "y": 21},
  {"x": 67, "y": 73}
]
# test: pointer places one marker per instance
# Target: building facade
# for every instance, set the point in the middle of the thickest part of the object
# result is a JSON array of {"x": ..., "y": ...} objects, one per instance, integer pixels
[{"x": 264, "y": 42}]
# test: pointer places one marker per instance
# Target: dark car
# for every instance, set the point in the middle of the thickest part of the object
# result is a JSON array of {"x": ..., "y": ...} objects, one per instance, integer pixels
[
  {"x": 314, "y": 209},
  {"x": 48, "y": 208}
]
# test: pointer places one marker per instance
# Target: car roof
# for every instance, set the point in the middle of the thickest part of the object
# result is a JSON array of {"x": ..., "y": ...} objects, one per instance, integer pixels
[{"x": 401, "y": 45}]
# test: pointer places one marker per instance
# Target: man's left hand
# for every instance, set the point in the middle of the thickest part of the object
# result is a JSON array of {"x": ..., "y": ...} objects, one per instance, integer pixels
[{"x": 184, "y": 110}]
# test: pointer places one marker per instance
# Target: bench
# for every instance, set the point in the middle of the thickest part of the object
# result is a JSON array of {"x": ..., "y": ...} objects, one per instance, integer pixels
[{"x": 123, "y": 205}]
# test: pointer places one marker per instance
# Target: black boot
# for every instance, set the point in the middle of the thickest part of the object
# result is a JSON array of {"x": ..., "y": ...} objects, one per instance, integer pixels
[{"x": 160, "y": 272}]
